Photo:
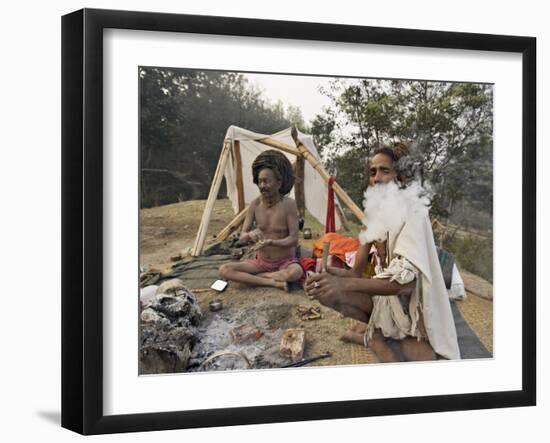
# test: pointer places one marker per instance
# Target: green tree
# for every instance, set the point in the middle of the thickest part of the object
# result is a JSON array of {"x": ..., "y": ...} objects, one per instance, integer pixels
[
  {"x": 295, "y": 117},
  {"x": 184, "y": 115},
  {"x": 449, "y": 126}
]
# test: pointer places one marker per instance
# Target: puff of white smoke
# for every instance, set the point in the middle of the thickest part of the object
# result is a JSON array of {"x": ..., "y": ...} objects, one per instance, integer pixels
[{"x": 388, "y": 207}]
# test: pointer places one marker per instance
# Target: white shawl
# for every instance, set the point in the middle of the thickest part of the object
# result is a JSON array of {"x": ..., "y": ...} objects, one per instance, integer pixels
[{"x": 415, "y": 243}]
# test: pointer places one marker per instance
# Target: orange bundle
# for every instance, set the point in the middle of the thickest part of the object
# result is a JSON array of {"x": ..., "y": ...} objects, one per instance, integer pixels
[{"x": 339, "y": 245}]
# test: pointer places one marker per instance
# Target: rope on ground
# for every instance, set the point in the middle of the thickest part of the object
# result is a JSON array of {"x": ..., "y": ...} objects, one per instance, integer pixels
[{"x": 220, "y": 353}]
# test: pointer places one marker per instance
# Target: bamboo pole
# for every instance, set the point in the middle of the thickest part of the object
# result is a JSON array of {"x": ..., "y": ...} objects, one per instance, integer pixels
[
  {"x": 277, "y": 144},
  {"x": 234, "y": 224},
  {"x": 299, "y": 191},
  {"x": 213, "y": 194},
  {"x": 239, "y": 171},
  {"x": 316, "y": 164}
]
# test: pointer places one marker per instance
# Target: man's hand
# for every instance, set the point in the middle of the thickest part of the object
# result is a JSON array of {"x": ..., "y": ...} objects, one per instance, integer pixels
[
  {"x": 256, "y": 235},
  {"x": 325, "y": 287},
  {"x": 264, "y": 243}
]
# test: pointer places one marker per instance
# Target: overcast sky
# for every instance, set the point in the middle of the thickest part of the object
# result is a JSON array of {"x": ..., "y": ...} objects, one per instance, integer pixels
[{"x": 296, "y": 90}]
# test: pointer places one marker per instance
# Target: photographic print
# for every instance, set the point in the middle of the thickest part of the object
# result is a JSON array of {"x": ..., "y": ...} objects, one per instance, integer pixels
[
  {"x": 297, "y": 220},
  {"x": 287, "y": 227}
]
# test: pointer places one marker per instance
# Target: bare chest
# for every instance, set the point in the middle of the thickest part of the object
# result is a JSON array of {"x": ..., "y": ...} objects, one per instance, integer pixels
[{"x": 272, "y": 219}]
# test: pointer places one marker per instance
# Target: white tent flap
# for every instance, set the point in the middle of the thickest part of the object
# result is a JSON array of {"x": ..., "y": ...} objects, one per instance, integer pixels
[{"x": 315, "y": 188}]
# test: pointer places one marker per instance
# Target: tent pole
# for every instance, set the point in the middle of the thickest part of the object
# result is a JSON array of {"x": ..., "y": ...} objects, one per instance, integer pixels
[
  {"x": 214, "y": 189},
  {"x": 276, "y": 144},
  {"x": 239, "y": 170},
  {"x": 234, "y": 224},
  {"x": 299, "y": 191}
]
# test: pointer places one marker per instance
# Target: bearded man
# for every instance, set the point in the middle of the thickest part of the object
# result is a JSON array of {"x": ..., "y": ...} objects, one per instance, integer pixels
[{"x": 405, "y": 300}]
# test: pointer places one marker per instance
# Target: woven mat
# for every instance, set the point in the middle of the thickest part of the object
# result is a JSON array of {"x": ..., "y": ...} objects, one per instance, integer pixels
[
  {"x": 470, "y": 345},
  {"x": 468, "y": 342}
]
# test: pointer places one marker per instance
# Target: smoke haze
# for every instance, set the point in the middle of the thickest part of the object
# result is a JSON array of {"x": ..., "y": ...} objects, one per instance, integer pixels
[{"x": 387, "y": 207}]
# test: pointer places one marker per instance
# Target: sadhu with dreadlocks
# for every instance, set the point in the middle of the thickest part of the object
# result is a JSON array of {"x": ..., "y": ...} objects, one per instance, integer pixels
[{"x": 272, "y": 223}]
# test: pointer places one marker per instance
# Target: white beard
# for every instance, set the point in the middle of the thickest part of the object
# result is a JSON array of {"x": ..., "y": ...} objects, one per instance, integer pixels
[{"x": 387, "y": 208}]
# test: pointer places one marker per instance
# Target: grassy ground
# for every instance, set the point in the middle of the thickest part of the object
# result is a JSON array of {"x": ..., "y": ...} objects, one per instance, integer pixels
[{"x": 169, "y": 230}]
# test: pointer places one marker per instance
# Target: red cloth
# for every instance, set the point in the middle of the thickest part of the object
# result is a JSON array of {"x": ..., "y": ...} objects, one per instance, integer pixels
[
  {"x": 330, "y": 225},
  {"x": 308, "y": 264}
]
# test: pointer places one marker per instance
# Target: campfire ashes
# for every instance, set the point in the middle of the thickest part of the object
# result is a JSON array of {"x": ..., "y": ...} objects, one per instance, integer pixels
[
  {"x": 177, "y": 337},
  {"x": 168, "y": 329}
]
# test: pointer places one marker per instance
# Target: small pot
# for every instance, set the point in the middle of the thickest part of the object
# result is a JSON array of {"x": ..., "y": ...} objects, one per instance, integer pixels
[
  {"x": 216, "y": 305},
  {"x": 307, "y": 233}
]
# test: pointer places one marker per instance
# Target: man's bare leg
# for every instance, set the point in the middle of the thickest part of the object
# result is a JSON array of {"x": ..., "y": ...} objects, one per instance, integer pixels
[
  {"x": 377, "y": 343},
  {"x": 358, "y": 306},
  {"x": 355, "y": 305},
  {"x": 244, "y": 272},
  {"x": 349, "y": 302},
  {"x": 352, "y": 312},
  {"x": 379, "y": 346},
  {"x": 364, "y": 303},
  {"x": 415, "y": 350},
  {"x": 291, "y": 273},
  {"x": 356, "y": 334}
]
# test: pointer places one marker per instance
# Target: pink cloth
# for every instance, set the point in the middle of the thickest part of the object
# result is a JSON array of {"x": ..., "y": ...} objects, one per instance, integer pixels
[{"x": 267, "y": 265}]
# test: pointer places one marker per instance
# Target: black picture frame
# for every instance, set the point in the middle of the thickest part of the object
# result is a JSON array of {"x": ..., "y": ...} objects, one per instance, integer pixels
[{"x": 82, "y": 218}]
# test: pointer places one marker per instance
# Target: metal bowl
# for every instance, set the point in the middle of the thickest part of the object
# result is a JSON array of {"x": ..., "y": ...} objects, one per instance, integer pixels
[{"x": 215, "y": 305}]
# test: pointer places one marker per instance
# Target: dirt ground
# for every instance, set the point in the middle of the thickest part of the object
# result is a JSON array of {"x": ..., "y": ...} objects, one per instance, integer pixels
[{"x": 169, "y": 231}]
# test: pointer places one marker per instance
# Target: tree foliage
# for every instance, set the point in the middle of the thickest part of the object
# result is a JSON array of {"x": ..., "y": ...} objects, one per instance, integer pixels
[
  {"x": 184, "y": 115},
  {"x": 449, "y": 127}
]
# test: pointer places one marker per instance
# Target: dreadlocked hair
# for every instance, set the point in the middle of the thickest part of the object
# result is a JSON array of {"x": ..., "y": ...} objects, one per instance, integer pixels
[{"x": 279, "y": 164}]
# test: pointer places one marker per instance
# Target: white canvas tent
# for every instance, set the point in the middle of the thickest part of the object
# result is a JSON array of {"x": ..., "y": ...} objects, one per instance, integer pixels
[{"x": 239, "y": 150}]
